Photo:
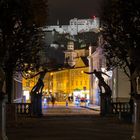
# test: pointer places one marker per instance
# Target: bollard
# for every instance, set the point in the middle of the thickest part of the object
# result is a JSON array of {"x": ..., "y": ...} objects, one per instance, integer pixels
[
  {"x": 136, "y": 129},
  {"x": 4, "y": 137}
]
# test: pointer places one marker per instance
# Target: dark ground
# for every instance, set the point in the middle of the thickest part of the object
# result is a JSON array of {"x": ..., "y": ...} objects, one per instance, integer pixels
[{"x": 60, "y": 123}]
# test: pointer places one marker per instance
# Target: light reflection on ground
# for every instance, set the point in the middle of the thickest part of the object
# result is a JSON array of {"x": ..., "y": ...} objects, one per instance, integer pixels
[{"x": 62, "y": 109}]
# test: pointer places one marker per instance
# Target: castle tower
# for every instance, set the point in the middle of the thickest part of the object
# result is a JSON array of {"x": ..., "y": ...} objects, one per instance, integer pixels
[
  {"x": 70, "y": 45},
  {"x": 70, "y": 54}
]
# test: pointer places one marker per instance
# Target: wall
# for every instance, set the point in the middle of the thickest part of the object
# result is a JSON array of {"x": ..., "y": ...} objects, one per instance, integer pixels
[{"x": 123, "y": 86}]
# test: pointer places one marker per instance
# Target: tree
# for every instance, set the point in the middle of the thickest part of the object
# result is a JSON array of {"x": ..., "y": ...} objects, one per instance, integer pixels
[
  {"x": 121, "y": 33},
  {"x": 20, "y": 37}
]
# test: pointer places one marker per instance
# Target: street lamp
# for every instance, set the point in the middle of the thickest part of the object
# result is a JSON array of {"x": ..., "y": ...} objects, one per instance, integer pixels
[{"x": 82, "y": 71}]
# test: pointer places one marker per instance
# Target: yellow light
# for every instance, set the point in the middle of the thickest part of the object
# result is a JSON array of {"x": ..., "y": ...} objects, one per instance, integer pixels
[
  {"x": 29, "y": 71},
  {"x": 82, "y": 71},
  {"x": 51, "y": 73},
  {"x": 26, "y": 94}
]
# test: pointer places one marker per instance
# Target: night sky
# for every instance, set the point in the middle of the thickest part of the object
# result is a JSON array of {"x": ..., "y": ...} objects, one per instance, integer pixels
[{"x": 64, "y": 10}]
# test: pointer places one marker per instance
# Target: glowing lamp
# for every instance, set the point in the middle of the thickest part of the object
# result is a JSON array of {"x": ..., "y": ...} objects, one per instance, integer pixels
[{"x": 94, "y": 17}]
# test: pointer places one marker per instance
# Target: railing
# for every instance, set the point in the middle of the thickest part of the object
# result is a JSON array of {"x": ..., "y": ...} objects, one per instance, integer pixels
[
  {"x": 120, "y": 107},
  {"x": 123, "y": 110},
  {"x": 23, "y": 108}
]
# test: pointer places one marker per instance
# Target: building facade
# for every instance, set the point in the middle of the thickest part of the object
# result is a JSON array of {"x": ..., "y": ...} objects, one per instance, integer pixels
[
  {"x": 117, "y": 80},
  {"x": 65, "y": 82},
  {"x": 72, "y": 54},
  {"x": 17, "y": 88},
  {"x": 27, "y": 85},
  {"x": 76, "y": 26}
]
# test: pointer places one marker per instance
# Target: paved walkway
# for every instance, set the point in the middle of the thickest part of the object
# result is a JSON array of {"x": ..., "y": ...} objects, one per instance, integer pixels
[
  {"x": 92, "y": 107},
  {"x": 67, "y": 111},
  {"x": 78, "y": 124},
  {"x": 62, "y": 104}
]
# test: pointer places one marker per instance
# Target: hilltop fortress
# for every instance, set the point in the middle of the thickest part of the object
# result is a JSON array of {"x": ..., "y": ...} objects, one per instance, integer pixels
[{"x": 76, "y": 26}]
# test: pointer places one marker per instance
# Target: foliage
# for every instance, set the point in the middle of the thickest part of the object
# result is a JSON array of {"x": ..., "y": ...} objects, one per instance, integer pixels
[
  {"x": 121, "y": 32},
  {"x": 80, "y": 40},
  {"x": 20, "y": 35}
]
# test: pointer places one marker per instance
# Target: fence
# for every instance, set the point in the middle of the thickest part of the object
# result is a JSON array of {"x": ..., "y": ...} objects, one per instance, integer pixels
[
  {"x": 23, "y": 108},
  {"x": 120, "y": 107},
  {"x": 123, "y": 110}
]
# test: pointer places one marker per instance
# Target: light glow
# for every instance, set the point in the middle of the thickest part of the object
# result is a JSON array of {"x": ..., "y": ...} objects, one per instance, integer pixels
[{"x": 26, "y": 94}]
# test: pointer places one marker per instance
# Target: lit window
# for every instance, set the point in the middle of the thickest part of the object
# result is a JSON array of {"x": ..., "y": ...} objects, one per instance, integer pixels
[
  {"x": 28, "y": 84},
  {"x": 72, "y": 82},
  {"x": 76, "y": 83}
]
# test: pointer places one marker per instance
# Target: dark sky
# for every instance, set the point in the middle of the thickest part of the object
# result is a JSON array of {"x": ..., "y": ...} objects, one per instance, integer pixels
[{"x": 68, "y": 9}]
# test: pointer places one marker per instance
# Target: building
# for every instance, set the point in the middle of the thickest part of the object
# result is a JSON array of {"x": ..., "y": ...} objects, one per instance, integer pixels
[
  {"x": 17, "y": 88},
  {"x": 64, "y": 82},
  {"x": 74, "y": 57},
  {"x": 71, "y": 54},
  {"x": 67, "y": 81},
  {"x": 120, "y": 89},
  {"x": 27, "y": 85},
  {"x": 71, "y": 81},
  {"x": 76, "y": 26}
]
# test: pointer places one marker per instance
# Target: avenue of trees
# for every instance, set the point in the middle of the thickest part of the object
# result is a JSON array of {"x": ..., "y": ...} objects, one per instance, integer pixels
[
  {"x": 121, "y": 31},
  {"x": 21, "y": 39}
]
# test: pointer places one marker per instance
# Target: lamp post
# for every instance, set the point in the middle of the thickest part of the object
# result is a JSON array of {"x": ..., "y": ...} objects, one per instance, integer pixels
[
  {"x": 136, "y": 129},
  {"x": 4, "y": 137}
]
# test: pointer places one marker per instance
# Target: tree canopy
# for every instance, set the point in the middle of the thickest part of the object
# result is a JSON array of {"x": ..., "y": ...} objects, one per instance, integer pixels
[
  {"x": 20, "y": 35},
  {"x": 19, "y": 28},
  {"x": 121, "y": 32}
]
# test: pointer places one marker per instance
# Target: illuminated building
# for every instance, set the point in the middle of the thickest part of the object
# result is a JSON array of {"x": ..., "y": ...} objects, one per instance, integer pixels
[
  {"x": 66, "y": 81},
  {"x": 72, "y": 54},
  {"x": 17, "y": 88},
  {"x": 117, "y": 81},
  {"x": 27, "y": 85},
  {"x": 76, "y": 26}
]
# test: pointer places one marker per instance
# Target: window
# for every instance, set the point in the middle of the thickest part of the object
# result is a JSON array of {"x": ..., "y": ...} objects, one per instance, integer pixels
[
  {"x": 28, "y": 84},
  {"x": 85, "y": 82},
  {"x": 72, "y": 82},
  {"x": 76, "y": 83}
]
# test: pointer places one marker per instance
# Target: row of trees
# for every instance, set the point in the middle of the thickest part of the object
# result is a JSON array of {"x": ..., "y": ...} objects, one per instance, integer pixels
[
  {"x": 20, "y": 38},
  {"x": 120, "y": 21}
]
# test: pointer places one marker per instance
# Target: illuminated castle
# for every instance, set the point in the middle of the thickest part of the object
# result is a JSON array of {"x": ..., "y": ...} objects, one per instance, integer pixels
[{"x": 76, "y": 26}]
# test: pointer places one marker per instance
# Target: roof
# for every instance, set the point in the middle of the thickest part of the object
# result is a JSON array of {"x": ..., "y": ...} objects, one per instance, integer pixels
[{"x": 85, "y": 60}]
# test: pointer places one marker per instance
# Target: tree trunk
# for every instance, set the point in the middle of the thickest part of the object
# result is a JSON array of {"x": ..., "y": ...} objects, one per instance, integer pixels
[
  {"x": 9, "y": 84},
  {"x": 131, "y": 87},
  {"x": 0, "y": 119},
  {"x": 133, "y": 81}
]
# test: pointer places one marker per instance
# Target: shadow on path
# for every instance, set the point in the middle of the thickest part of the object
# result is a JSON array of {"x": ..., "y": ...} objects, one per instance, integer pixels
[{"x": 70, "y": 127}]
